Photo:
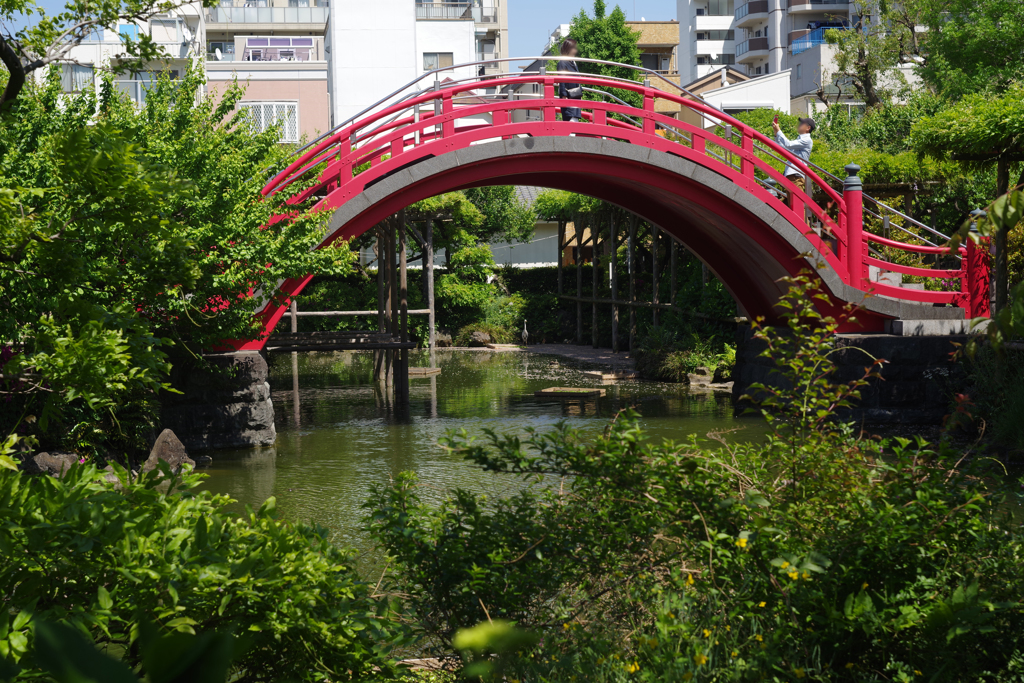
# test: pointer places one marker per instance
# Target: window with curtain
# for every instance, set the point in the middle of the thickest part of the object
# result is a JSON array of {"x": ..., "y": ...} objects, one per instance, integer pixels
[
  {"x": 264, "y": 115},
  {"x": 438, "y": 60},
  {"x": 76, "y": 78}
]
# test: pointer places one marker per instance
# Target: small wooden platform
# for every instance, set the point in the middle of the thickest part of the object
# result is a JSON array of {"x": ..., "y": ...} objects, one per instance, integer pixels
[
  {"x": 504, "y": 347},
  {"x": 611, "y": 376},
  {"x": 424, "y": 372},
  {"x": 563, "y": 393},
  {"x": 336, "y": 341}
]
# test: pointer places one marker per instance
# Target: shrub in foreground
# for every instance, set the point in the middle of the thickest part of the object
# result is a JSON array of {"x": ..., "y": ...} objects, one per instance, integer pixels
[{"x": 105, "y": 562}]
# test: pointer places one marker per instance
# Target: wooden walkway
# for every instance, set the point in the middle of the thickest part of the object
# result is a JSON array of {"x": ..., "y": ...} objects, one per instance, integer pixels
[{"x": 337, "y": 341}]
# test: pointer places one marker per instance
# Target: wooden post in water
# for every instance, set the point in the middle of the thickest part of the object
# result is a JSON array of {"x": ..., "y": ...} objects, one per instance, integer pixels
[
  {"x": 378, "y": 356},
  {"x": 578, "y": 260},
  {"x": 392, "y": 300},
  {"x": 402, "y": 386},
  {"x": 630, "y": 252},
  {"x": 673, "y": 258},
  {"x": 595, "y": 232},
  {"x": 428, "y": 265},
  {"x": 613, "y": 245},
  {"x": 561, "y": 246},
  {"x": 654, "y": 271},
  {"x": 295, "y": 318}
]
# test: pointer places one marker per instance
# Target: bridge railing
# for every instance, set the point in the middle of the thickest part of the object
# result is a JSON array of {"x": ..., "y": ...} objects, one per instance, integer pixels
[{"x": 415, "y": 122}]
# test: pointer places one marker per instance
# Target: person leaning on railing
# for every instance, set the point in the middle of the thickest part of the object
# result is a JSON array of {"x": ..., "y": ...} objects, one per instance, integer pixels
[
  {"x": 800, "y": 148},
  {"x": 570, "y": 91}
]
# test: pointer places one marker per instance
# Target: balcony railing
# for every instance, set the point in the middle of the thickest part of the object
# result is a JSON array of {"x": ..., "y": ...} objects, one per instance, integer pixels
[
  {"x": 753, "y": 7},
  {"x": 267, "y": 15},
  {"x": 453, "y": 11},
  {"x": 794, "y": 3},
  {"x": 750, "y": 45},
  {"x": 814, "y": 38}
]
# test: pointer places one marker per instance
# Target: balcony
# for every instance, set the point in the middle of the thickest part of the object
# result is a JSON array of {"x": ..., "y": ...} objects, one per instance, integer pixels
[
  {"x": 751, "y": 13},
  {"x": 267, "y": 49},
  {"x": 267, "y": 15},
  {"x": 751, "y": 50},
  {"x": 811, "y": 39},
  {"x": 803, "y": 6},
  {"x": 455, "y": 11}
]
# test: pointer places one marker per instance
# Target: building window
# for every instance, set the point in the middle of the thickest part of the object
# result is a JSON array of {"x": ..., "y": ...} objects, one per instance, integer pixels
[
  {"x": 799, "y": 70},
  {"x": 75, "y": 78},
  {"x": 438, "y": 60},
  {"x": 718, "y": 59},
  {"x": 757, "y": 33},
  {"x": 164, "y": 30},
  {"x": 128, "y": 31},
  {"x": 715, "y": 35},
  {"x": 719, "y": 8},
  {"x": 265, "y": 115},
  {"x": 757, "y": 71}
]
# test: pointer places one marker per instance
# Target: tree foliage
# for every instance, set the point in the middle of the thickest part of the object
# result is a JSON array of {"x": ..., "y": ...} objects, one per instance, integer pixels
[
  {"x": 129, "y": 232},
  {"x": 606, "y": 36}
]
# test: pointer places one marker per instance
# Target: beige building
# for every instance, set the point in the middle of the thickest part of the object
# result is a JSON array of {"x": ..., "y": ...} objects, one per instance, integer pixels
[{"x": 275, "y": 48}]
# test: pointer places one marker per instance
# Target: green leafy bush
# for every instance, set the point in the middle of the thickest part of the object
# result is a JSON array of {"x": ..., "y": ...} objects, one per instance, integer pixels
[
  {"x": 817, "y": 555},
  {"x": 104, "y": 562}
]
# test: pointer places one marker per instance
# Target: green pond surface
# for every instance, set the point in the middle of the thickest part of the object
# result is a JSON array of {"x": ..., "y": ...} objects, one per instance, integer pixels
[{"x": 338, "y": 433}]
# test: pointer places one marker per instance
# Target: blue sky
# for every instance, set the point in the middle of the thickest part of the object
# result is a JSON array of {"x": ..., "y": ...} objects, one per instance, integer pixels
[{"x": 531, "y": 21}]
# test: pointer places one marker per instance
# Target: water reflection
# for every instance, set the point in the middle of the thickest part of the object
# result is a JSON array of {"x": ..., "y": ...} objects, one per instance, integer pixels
[{"x": 340, "y": 432}]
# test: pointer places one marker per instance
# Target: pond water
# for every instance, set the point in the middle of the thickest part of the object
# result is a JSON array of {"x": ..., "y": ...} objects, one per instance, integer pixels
[{"x": 338, "y": 433}]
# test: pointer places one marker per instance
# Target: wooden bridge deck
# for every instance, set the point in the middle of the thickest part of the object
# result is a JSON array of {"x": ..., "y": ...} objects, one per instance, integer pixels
[{"x": 337, "y": 341}]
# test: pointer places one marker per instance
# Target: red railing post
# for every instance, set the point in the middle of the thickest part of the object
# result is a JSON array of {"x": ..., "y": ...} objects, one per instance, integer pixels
[
  {"x": 853, "y": 197},
  {"x": 978, "y": 277}
]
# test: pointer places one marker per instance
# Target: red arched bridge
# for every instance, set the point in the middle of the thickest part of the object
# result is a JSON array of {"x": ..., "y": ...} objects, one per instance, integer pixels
[{"x": 714, "y": 184}]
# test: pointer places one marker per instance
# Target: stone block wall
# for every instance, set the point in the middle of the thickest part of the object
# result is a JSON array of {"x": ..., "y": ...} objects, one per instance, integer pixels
[
  {"x": 224, "y": 402},
  {"x": 917, "y": 385}
]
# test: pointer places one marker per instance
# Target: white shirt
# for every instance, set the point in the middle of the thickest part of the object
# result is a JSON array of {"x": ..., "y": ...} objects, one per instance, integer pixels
[{"x": 800, "y": 148}]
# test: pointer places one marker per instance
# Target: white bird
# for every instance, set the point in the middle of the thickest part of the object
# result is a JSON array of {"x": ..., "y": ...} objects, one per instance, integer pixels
[{"x": 526, "y": 335}]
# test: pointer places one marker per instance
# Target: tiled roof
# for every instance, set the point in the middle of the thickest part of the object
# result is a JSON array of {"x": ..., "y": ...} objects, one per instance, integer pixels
[{"x": 529, "y": 193}]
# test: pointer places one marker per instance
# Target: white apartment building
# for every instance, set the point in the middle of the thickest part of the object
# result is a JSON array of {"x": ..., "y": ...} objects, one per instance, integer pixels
[
  {"x": 179, "y": 33},
  {"x": 374, "y": 48},
  {"x": 756, "y": 37}
]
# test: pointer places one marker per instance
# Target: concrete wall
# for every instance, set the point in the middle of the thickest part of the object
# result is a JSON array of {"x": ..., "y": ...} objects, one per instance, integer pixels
[
  {"x": 765, "y": 92},
  {"x": 366, "y": 65},
  {"x": 457, "y": 37},
  {"x": 304, "y": 82},
  {"x": 541, "y": 250}
]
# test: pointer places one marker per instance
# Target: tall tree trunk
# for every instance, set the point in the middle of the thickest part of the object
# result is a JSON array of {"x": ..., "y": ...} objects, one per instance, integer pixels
[{"x": 16, "y": 73}]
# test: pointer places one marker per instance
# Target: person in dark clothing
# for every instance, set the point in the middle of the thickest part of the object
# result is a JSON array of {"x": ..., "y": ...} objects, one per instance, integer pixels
[{"x": 570, "y": 91}]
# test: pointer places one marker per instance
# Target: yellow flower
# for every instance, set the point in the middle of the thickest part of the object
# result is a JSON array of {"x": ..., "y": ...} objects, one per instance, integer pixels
[
  {"x": 735, "y": 653},
  {"x": 805, "y": 576},
  {"x": 850, "y": 665},
  {"x": 758, "y": 638},
  {"x": 707, "y": 633},
  {"x": 633, "y": 667},
  {"x": 793, "y": 575},
  {"x": 799, "y": 673},
  {"x": 689, "y": 580},
  {"x": 728, "y": 628},
  {"x": 700, "y": 659},
  {"x": 565, "y": 626},
  {"x": 600, "y": 661},
  {"x": 916, "y": 672},
  {"x": 864, "y": 586},
  {"x": 741, "y": 543},
  {"x": 761, "y": 604},
  {"x": 785, "y": 564}
]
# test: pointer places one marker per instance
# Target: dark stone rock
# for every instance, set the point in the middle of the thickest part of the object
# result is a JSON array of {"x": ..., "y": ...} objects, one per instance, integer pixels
[
  {"x": 442, "y": 340},
  {"x": 225, "y": 403},
  {"x": 54, "y": 464},
  {"x": 723, "y": 374},
  {"x": 169, "y": 449},
  {"x": 479, "y": 338},
  {"x": 203, "y": 461}
]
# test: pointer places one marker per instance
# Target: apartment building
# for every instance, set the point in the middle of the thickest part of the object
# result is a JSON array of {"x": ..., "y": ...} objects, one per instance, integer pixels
[
  {"x": 179, "y": 33},
  {"x": 276, "y": 49},
  {"x": 377, "y": 47},
  {"x": 757, "y": 37}
]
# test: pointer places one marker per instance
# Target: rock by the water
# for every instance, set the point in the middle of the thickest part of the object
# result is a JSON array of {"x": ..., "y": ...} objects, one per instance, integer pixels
[
  {"x": 442, "y": 340},
  {"x": 699, "y": 377},
  {"x": 169, "y": 449},
  {"x": 54, "y": 464},
  {"x": 723, "y": 373},
  {"x": 203, "y": 460},
  {"x": 479, "y": 338}
]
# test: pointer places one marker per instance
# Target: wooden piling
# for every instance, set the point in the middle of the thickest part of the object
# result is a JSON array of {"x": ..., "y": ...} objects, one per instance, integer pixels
[
  {"x": 630, "y": 253},
  {"x": 561, "y": 255},
  {"x": 614, "y": 283},
  {"x": 654, "y": 271},
  {"x": 672, "y": 259},
  {"x": 578, "y": 259},
  {"x": 428, "y": 256},
  {"x": 392, "y": 299},
  {"x": 595, "y": 232},
  {"x": 378, "y": 356},
  {"x": 402, "y": 380}
]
